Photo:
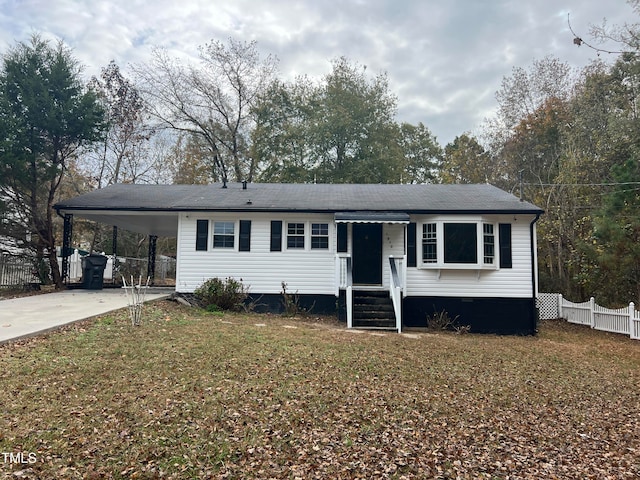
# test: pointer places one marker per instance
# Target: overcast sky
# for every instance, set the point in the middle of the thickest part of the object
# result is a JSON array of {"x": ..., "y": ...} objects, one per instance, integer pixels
[{"x": 445, "y": 59}]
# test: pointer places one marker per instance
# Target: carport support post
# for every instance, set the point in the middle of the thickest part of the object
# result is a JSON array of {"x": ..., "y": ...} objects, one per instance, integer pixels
[
  {"x": 151, "y": 260},
  {"x": 114, "y": 267},
  {"x": 67, "y": 232}
]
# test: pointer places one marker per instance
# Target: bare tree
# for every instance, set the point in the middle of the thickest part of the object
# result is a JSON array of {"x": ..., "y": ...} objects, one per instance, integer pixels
[
  {"x": 625, "y": 37},
  {"x": 123, "y": 154},
  {"x": 211, "y": 100}
]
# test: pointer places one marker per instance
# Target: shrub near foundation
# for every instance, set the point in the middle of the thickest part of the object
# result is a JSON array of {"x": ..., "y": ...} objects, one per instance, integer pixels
[
  {"x": 442, "y": 321},
  {"x": 227, "y": 294}
]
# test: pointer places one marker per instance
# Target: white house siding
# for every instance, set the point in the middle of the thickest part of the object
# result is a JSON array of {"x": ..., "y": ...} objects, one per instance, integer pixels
[
  {"x": 313, "y": 271},
  {"x": 515, "y": 282},
  {"x": 304, "y": 271},
  {"x": 393, "y": 239}
]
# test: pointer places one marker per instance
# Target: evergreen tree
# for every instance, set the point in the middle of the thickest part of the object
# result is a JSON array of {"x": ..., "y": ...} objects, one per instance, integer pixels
[{"x": 46, "y": 116}]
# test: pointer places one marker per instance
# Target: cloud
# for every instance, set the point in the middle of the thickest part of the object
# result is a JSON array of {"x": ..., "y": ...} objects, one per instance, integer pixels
[{"x": 445, "y": 60}]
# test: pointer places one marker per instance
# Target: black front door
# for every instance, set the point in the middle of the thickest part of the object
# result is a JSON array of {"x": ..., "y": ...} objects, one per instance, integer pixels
[{"x": 367, "y": 253}]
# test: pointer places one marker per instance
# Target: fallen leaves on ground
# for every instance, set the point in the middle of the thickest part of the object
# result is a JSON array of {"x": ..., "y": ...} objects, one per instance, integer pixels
[{"x": 192, "y": 395}]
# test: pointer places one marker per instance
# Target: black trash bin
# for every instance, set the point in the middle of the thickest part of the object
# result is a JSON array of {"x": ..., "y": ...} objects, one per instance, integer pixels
[{"x": 93, "y": 266}]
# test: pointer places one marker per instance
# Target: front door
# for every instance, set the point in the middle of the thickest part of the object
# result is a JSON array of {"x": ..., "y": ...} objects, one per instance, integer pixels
[{"x": 367, "y": 253}]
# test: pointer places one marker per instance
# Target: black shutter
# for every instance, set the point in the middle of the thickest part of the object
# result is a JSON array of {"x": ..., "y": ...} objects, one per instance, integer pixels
[
  {"x": 411, "y": 245},
  {"x": 245, "y": 236},
  {"x": 504, "y": 239},
  {"x": 342, "y": 238},
  {"x": 276, "y": 235},
  {"x": 202, "y": 234}
]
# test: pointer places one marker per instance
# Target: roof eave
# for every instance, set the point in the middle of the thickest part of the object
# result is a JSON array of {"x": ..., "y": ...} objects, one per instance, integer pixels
[{"x": 427, "y": 211}]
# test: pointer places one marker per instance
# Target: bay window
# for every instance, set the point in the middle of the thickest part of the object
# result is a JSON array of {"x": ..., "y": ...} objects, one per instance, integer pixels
[{"x": 465, "y": 245}]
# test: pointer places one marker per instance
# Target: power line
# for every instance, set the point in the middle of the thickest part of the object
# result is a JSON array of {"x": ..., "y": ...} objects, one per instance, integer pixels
[{"x": 610, "y": 184}]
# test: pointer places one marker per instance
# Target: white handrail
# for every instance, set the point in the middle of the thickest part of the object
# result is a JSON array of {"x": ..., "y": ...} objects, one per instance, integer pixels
[
  {"x": 344, "y": 281},
  {"x": 395, "y": 291},
  {"x": 349, "y": 302},
  {"x": 343, "y": 272}
]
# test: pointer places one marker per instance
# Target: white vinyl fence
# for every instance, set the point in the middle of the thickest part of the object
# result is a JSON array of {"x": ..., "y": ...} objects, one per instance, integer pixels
[
  {"x": 165, "y": 267},
  {"x": 625, "y": 320},
  {"x": 75, "y": 267}
]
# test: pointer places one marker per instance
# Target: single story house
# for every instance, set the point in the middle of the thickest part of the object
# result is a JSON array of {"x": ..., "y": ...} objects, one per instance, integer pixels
[{"x": 382, "y": 256}]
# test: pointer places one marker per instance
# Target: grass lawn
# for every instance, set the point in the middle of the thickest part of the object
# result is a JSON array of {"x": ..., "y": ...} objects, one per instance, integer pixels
[{"x": 195, "y": 395}]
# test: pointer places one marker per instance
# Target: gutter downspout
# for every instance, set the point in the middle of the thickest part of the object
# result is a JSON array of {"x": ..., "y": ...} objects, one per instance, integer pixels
[{"x": 534, "y": 268}]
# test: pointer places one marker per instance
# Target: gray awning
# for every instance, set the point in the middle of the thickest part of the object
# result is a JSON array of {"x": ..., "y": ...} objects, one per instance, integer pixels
[{"x": 371, "y": 217}]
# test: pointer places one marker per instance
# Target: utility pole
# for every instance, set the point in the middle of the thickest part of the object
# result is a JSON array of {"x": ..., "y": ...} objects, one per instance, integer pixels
[{"x": 520, "y": 178}]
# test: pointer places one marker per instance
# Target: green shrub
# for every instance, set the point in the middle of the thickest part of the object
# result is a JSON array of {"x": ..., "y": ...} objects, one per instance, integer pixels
[{"x": 217, "y": 294}]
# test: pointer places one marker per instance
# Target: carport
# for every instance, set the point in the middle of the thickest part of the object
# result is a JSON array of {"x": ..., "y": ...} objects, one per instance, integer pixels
[{"x": 120, "y": 209}]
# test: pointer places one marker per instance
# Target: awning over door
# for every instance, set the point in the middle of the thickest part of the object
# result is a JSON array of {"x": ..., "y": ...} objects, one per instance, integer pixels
[{"x": 371, "y": 217}]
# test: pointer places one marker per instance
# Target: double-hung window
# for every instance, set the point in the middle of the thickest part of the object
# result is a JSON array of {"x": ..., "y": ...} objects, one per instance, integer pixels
[
  {"x": 295, "y": 235},
  {"x": 223, "y": 234},
  {"x": 489, "y": 245},
  {"x": 430, "y": 243},
  {"x": 319, "y": 235}
]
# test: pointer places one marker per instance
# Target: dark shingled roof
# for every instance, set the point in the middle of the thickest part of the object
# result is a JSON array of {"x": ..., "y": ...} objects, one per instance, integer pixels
[{"x": 283, "y": 197}]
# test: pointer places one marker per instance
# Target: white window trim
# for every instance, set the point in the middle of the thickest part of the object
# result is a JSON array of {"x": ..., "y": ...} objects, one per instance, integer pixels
[
  {"x": 307, "y": 236},
  {"x": 304, "y": 235},
  {"x": 236, "y": 232},
  {"x": 493, "y": 235},
  {"x": 327, "y": 236},
  {"x": 440, "y": 264}
]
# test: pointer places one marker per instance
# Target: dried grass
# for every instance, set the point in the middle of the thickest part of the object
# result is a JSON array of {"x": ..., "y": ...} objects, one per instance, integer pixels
[{"x": 191, "y": 395}]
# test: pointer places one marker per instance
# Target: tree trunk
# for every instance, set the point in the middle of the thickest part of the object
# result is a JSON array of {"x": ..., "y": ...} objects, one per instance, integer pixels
[
  {"x": 55, "y": 269},
  {"x": 50, "y": 237}
]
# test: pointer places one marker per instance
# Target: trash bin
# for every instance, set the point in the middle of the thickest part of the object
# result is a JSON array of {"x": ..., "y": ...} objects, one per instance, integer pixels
[{"x": 93, "y": 266}]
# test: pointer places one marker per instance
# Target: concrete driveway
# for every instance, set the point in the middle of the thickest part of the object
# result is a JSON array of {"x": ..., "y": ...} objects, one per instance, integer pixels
[{"x": 29, "y": 316}]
